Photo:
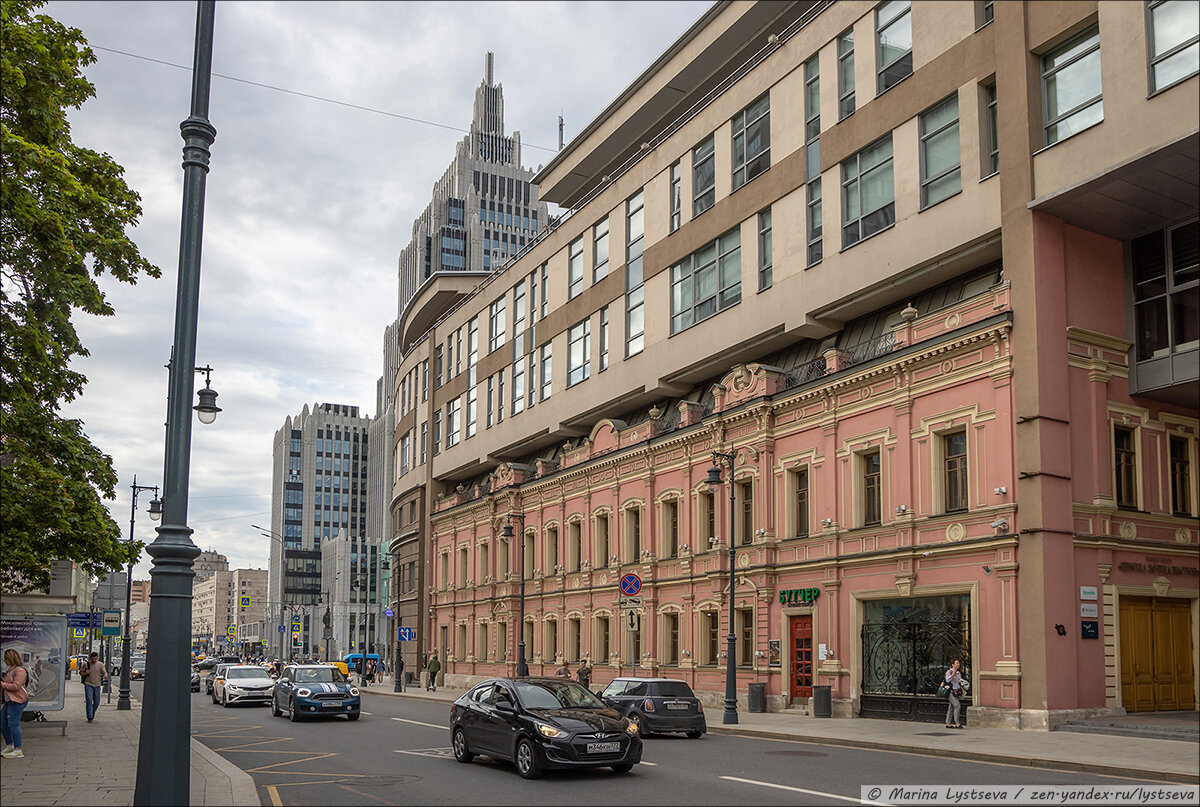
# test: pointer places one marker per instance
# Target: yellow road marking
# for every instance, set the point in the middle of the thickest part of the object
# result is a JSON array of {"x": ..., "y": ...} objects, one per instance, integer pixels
[{"x": 273, "y": 792}]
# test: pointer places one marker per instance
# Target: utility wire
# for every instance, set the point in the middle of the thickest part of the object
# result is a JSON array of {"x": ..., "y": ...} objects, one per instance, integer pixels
[{"x": 307, "y": 95}]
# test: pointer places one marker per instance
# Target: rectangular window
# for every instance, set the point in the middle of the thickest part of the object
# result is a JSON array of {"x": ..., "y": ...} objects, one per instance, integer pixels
[
  {"x": 425, "y": 380},
  {"x": 675, "y": 194},
  {"x": 868, "y": 201},
  {"x": 708, "y": 518},
  {"x": 633, "y": 535},
  {"x": 491, "y": 410},
  {"x": 496, "y": 324},
  {"x": 992, "y": 162},
  {"x": 670, "y": 511},
  {"x": 578, "y": 349},
  {"x": 752, "y": 141},
  {"x": 745, "y": 635},
  {"x": 893, "y": 43},
  {"x": 404, "y": 452},
  {"x": 424, "y": 442},
  {"x": 986, "y": 13},
  {"x": 500, "y": 396},
  {"x": 941, "y": 174},
  {"x": 1071, "y": 93},
  {"x": 845, "y": 50},
  {"x": 547, "y": 371},
  {"x": 706, "y": 282},
  {"x": 602, "y": 647},
  {"x": 1125, "y": 458},
  {"x": 453, "y": 416},
  {"x": 872, "y": 489},
  {"x": 635, "y": 300},
  {"x": 574, "y": 545},
  {"x": 764, "y": 249},
  {"x": 437, "y": 433},
  {"x": 602, "y": 553},
  {"x": 954, "y": 447},
  {"x": 600, "y": 251},
  {"x": 1174, "y": 42},
  {"x": 813, "y": 216},
  {"x": 575, "y": 268},
  {"x": 704, "y": 177},
  {"x": 545, "y": 284},
  {"x": 604, "y": 339},
  {"x": 800, "y": 499},
  {"x": 745, "y": 502},
  {"x": 671, "y": 639},
  {"x": 711, "y": 627},
  {"x": 1166, "y": 291},
  {"x": 1181, "y": 477},
  {"x": 438, "y": 363},
  {"x": 812, "y": 100}
]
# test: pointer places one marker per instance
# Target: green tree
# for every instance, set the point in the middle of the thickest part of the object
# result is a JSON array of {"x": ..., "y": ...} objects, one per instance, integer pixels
[{"x": 64, "y": 211}]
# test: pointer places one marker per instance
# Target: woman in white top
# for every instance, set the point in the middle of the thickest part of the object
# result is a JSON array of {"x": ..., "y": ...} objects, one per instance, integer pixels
[{"x": 954, "y": 679}]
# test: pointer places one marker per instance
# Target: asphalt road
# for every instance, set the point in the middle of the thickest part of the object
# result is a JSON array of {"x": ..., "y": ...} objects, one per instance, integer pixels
[{"x": 398, "y": 753}]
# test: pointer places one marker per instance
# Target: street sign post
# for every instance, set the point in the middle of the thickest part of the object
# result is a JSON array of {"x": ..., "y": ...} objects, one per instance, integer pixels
[
  {"x": 244, "y": 601},
  {"x": 629, "y": 603},
  {"x": 633, "y": 621},
  {"x": 406, "y": 634},
  {"x": 631, "y": 584}
]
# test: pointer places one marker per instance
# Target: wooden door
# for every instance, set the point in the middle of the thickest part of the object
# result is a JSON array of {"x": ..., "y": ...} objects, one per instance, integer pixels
[
  {"x": 1137, "y": 679},
  {"x": 802, "y": 656}
]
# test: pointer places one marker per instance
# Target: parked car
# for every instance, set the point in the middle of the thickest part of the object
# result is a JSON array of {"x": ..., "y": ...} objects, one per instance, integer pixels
[
  {"x": 312, "y": 690},
  {"x": 195, "y": 687},
  {"x": 207, "y": 663},
  {"x": 542, "y": 723},
  {"x": 657, "y": 705},
  {"x": 242, "y": 683},
  {"x": 211, "y": 680},
  {"x": 137, "y": 669}
]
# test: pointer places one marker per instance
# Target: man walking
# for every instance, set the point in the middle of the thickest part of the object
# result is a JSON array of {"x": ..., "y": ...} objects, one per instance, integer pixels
[
  {"x": 434, "y": 668},
  {"x": 93, "y": 676},
  {"x": 584, "y": 674}
]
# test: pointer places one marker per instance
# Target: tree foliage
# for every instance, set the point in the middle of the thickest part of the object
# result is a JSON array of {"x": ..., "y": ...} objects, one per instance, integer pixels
[{"x": 64, "y": 211}]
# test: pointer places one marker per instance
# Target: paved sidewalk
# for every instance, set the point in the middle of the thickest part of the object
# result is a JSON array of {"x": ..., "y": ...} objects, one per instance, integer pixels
[
  {"x": 1166, "y": 760},
  {"x": 96, "y": 763}
]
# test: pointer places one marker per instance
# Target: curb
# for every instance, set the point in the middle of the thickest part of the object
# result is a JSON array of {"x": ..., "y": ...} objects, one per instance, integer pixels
[
  {"x": 241, "y": 784},
  {"x": 978, "y": 756}
]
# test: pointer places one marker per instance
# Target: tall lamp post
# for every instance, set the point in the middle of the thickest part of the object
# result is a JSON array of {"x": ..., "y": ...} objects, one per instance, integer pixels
[
  {"x": 285, "y": 634},
  {"x": 507, "y": 532},
  {"x": 164, "y": 748},
  {"x": 123, "y": 704},
  {"x": 714, "y": 480}
]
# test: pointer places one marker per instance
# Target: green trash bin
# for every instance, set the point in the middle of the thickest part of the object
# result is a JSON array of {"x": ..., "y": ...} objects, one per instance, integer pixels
[
  {"x": 757, "y": 697},
  {"x": 823, "y": 701}
]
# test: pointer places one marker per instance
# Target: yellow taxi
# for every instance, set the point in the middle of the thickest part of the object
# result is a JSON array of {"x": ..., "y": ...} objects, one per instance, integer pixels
[{"x": 341, "y": 665}]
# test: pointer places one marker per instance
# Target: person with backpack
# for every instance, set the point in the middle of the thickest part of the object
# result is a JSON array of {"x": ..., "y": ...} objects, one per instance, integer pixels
[
  {"x": 16, "y": 698},
  {"x": 93, "y": 675},
  {"x": 434, "y": 666}
]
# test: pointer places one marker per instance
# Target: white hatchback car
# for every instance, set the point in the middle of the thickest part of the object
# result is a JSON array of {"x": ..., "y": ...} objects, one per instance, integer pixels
[{"x": 242, "y": 683}]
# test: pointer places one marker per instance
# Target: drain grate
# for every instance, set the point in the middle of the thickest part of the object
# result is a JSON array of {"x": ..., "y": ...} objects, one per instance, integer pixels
[
  {"x": 797, "y": 754},
  {"x": 380, "y": 780}
]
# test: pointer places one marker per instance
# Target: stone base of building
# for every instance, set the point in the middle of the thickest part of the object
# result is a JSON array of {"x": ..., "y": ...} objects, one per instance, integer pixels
[
  {"x": 458, "y": 681},
  {"x": 993, "y": 717}
]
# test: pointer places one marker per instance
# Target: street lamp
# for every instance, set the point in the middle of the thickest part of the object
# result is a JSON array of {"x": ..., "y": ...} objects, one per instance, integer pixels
[
  {"x": 714, "y": 480},
  {"x": 266, "y": 533},
  {"x": 207, "y": 409},
  {"x": 155, "y": 514},
  {"x": 164, "y": 747},
  {"x": 507, "y": 532}
]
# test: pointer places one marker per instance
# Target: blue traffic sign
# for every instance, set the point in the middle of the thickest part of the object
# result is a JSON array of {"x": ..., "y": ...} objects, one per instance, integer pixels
[
  {"x": 84, "y": 619},
  {"x": 631, "y": 584},
  {"x": 406, "y": 634},
  {"x": 281, "y": 628}
]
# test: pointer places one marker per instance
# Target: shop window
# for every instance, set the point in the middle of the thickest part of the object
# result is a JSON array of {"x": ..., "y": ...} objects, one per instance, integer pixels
[
  {"x": 1125, "y": 464},
  {"x": 954, "y": 462},
  {"x": 1181, "y": 477}
]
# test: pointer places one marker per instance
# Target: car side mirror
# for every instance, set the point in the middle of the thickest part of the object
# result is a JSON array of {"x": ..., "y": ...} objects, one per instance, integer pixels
[{"x": 506, "y": 706}]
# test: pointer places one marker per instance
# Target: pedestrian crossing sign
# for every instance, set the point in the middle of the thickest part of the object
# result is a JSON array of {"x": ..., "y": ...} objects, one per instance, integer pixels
[
  {"x": 79, "y": 633},
  {"x": 244, "y": 601}
]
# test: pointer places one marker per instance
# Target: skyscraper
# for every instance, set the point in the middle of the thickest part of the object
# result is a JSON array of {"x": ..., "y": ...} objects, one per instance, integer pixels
[{"x": 319, "y": 487}]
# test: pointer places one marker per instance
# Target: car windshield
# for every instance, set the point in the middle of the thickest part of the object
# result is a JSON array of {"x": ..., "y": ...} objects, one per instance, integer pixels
[
  {"x": 249, "y": 672},
  {"x": 138, "y": 663},
  {"x": 320, "y": 675},
  {"x": 672, "y": 689},
  {"x": 556, "y": 695}
]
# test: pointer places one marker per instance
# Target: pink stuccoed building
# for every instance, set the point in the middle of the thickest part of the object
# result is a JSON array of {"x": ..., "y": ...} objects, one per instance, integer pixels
[{"x": 930, "y": 273}]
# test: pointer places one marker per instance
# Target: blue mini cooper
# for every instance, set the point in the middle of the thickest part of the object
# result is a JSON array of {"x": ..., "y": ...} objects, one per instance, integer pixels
[{"x": 311, "y": 690}]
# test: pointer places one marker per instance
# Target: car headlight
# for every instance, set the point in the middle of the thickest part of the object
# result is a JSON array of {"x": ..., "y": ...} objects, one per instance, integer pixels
[
  {"x": 353, "y": 690},
  {"x": 303, "y": 692},
  {"x": 550, "y": 731},
  {"x": 631, "y": 727}
]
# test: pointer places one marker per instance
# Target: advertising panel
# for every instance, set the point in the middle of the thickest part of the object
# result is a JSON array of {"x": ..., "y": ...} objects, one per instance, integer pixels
[{"x": 41, "y": 641}]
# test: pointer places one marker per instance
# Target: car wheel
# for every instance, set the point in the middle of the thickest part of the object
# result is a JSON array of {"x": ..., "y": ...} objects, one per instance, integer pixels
[
  {"x": 225, "y": 699},
  {"x": 293, "y": 715},
  {"x": 622, "y": 768},
  {"x": 527, "y": 764},
  {"x": 352, "y": 716},
  {"x": 459, "y": 743},
  {"x": 212, "y": 694},
  {"x": 275, "y": 708},
  {"x": 695, "y": 735}
]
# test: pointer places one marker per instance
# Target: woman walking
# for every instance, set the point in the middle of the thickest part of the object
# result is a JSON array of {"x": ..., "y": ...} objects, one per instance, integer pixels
[
  {"x": 955, "y": 682},
  {"x": 16, "y": 698}
]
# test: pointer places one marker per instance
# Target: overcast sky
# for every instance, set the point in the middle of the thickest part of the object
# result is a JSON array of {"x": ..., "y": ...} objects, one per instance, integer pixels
[{"x": 308, "y": 202}]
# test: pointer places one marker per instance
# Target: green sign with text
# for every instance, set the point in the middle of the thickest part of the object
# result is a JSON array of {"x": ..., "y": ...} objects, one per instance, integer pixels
[{"x": 793, "y": 596}]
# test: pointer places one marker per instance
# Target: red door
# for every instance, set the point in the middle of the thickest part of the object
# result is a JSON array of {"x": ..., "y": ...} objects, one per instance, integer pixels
[{"x": 802, "y": 656}]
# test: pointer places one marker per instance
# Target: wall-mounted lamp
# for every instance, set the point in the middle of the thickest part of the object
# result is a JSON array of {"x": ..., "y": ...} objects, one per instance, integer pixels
[
  {"x": 1061, "y": 630},
  {"x": 713, "y": 541},
  {"x": 902, "y": 509},
  {"x": 1000, "y": 491}
]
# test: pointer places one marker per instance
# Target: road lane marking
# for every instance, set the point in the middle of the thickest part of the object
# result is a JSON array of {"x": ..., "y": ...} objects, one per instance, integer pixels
[
  {"x": 274, "y": 794},
  {"x": 367, "y": 713},
  {"x": 437, "y": 753},
  {"x": 419, "y": 723},
  {"x": 651, "y": 764},
  {"x": 800, "y": 790}
]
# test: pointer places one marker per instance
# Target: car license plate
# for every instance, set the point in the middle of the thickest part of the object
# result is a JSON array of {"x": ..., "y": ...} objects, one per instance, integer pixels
[
  {"x": 679, "y": 706},
  {"x": 331, "y": 705},
  {"x": 603, "y": 748}
]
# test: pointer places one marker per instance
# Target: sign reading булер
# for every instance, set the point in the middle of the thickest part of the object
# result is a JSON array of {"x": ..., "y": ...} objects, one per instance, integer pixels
[{"x": 41, "y": 641}]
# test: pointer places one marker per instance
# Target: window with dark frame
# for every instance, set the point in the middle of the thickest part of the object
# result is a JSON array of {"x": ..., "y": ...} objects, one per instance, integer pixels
[
  {"x": 706, "y": 282},
  {"x": 868, "y": 193},
  {"x": 993, "y": 130},
  {"x": 712, "y": 632},
  {"x": 893, "y": 43},
  {"x": 941, "y": 162},
  {"x": 764, "y": 250},
  {"x": 704, "y": 176},
  {"x": 635, "y": 292},
  {"x": 845, "y": 50},
  {"x": 746, "y": 502},
  {"x": 578, "y": 349},
  {"x": 575, "y": 268},
  {"x": 671, "y": 519},
  {"x": 676, "y": 196},
  {"x": 1174, "y": 41},
  {"x": 955, "y": 460},
  {"x": 752, "y": 141},
  {"x": 1072, "y": 99},
  {"x": 1166, "y": 291},
  {"x": 872, "y": 489},
  {"x": 1125, "y": 461},
  {"x": 800, "y": 501},
  {"x": 1181, "y": 477},
  {"x": 672, "y": 635},
  {"x": 600, "y": 250}
]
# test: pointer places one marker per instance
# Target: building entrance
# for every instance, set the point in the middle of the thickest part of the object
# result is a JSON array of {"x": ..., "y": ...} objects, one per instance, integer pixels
[
  {"x": 1156, "y": 654},
  {"x": 802, "y": 656}
]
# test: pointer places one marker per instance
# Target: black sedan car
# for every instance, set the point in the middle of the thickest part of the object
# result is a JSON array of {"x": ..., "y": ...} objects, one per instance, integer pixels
[
  {"x": 540, "y": 724},
  {"x": 657, "y": 705}
]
